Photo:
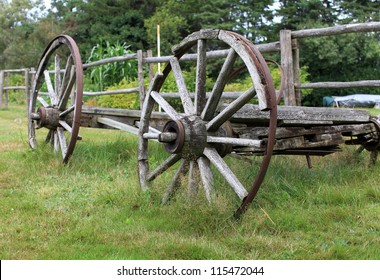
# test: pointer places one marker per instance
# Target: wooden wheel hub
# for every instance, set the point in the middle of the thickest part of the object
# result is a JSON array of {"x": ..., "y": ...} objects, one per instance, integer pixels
[
  {"x": 48, "y": 117},
  {"x": 191, "y": 137}
]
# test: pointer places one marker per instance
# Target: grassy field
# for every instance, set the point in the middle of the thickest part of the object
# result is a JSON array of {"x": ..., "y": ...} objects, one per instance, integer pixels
[{"x": 93, "y": 208}]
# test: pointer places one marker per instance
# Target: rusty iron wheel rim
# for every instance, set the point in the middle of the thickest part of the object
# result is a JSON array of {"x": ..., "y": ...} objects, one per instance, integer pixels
[{"x": 55, "y": 44}]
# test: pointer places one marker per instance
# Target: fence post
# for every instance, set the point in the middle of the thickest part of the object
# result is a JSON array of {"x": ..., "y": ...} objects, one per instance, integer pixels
[
  {"x": 287, "y": 65},
  {"x": 296, "y": 71},
  {"x": 6, "y": 99},
  {"x": 149, "y": 53},
  {"x": 27, "y": 95},
  {"x": 140, "y": 74},
  {"x": 1, "y": 87}
]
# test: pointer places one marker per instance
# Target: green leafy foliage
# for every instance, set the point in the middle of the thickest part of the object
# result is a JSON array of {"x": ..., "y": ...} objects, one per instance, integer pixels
[
  {"x": 111, "y": 73},
  {"x": 125, "y": 100}
]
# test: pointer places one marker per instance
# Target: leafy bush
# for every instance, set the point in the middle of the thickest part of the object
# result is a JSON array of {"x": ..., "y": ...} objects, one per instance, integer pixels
[{"x": 125, "y": 101}]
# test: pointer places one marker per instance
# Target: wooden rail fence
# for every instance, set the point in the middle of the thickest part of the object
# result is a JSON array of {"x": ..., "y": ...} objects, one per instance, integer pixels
[{"x": 288, "y": 47}]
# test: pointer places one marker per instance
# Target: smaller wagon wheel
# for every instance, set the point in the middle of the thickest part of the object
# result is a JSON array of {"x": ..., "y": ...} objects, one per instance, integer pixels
[
  {"x": 57, "y": 113},
  {"x": 199, "y": 133}
]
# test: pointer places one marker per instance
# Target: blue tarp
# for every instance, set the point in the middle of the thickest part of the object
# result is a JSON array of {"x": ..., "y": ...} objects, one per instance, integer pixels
[{"x": 354, "y": 100}]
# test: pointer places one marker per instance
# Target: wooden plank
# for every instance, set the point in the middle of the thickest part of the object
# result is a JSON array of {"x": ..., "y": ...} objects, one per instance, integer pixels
[
  {"x": 336, "y": 30},
  {"x": 245, "y": 131},
  {"x": 110, "y": 60},
  {"x": 225, "y": 95},
  {"x": 296, "y": 71},
  {"x": 111, "y": 92},
  {"x": 250, "y": 113},
  {"x": 287, "y": 66},
  {"x": 299, "y": 142},
  {"x": 118, "y": 125},
  {"x": 353, "y": 84},
  {"x": 121, "y": 112}
]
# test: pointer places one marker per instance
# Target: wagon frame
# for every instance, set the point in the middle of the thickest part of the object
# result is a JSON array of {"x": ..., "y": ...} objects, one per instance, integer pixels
[{"x": 203, "y": 131}]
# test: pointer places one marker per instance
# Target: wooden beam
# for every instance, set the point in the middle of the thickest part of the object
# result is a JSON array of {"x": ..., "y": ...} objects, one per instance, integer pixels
[
  {"x": 287, "y": 66},
  {"x": 337, "y": 30}
]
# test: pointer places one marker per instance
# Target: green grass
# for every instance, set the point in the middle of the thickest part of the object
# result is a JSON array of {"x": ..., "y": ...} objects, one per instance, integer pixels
[{"x": 93, "y": 208}]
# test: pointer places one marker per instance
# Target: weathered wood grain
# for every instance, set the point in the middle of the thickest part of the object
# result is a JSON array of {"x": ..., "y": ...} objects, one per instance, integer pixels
[
  {"x": 213, "y": 101},
  {"x": 287, "y": 66},
  {"x": 250, "y": 113},
  {"x": 336, "y": 30},
  {"x": 200, "y": 80},
  {"x": 226, "y": 172},
  {"x": 182, "y": 88}
]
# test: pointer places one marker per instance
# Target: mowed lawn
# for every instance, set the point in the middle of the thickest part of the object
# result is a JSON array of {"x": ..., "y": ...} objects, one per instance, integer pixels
[{"x": 93, "y": 208}]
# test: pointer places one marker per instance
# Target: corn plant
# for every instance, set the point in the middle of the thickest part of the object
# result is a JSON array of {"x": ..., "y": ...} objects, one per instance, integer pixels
[{"x": 112, "y": 73}]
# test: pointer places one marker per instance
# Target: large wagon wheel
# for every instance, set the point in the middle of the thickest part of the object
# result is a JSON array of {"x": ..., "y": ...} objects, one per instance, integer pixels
[
  {"x": 60, "y": 110},
  {"x": 198, "y": 134}
]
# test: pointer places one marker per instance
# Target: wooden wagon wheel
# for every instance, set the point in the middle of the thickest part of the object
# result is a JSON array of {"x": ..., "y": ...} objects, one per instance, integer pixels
[
  {"x": 60, "y": 111},
  {"x": 199, "y": 135}
]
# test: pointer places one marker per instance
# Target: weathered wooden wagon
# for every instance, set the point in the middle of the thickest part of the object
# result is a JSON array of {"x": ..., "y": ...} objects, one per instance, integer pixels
[{"x": 206, "y": 122}]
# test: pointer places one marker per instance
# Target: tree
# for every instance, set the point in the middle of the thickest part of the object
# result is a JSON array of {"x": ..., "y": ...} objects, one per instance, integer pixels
[
  {"x": 111, "y": 20},
  {"x": 178, "y": 18},
  {"x": 18, "y": 20}
]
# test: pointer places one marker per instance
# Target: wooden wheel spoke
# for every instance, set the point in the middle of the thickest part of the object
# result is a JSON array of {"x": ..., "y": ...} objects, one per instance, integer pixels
[
  {"x": 66, "y": 75},
  {"x": 62, "y": 141},
  {"x": 57, "y": 78},
  {"x": 171, "y": 160},
  {"x": 52, "y": 95},
  {"x": 49, "y": 136},
  {"x": 174, "y": 184},
  {"x": 67, "y": 90},
  {"x": 55, "y": 142},
  {"x": 42, "y": 101},
  {"x": 67, "y": 111},
  {"x": 206, "y": 176},
  {"x": 66, "y": 126},
  {"x": 236, "y": 141},
  {"x": 182, "y": 89},
  {"x": 216, "y": 93},
  {"x": 193, "y": 178},
  {"x": 200, "y": 82},
  {"x": 165, "y": 105},
  {"x": 231, "y": 109},
  {"x": 226, "y": 172}
]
